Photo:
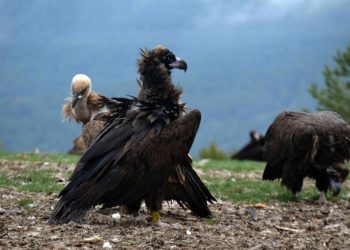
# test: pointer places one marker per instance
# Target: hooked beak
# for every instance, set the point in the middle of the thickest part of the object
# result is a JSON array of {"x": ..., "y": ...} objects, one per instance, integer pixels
[
  {"x": 179, "y": 64},
  {"x": 336, "y": 186},
  {"x": 76, "y": 98}
]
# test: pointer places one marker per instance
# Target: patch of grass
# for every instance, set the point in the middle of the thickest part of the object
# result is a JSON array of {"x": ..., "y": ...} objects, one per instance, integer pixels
[
  {"x": 25, "y": 202},
  {"x": 232, "y": 165},
  {"x": 210, "y": 221},
  {"x": 253, "y": 191},
  {"x": 31, "y": 180},
  {"x": 59, "y": 158}
]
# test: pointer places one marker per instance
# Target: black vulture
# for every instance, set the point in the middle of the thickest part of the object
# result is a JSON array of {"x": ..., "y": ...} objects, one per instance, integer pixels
[
  {"x": 314, "y": 145},
  {"x": 143, "y": 154},
  {"x": 253, "y": 150}
]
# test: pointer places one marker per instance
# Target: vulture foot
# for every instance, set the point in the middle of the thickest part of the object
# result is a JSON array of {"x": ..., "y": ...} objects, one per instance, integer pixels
[
  {"x": 323, "y": 199},
  {"x": 140, "y": 219}
]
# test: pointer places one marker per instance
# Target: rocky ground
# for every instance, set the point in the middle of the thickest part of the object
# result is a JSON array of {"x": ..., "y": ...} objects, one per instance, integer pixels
[{"x": 287, "y": 225}]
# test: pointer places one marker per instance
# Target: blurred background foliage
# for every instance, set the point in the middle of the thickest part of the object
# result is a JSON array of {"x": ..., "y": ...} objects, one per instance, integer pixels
[{"x": 248, "y": 60}]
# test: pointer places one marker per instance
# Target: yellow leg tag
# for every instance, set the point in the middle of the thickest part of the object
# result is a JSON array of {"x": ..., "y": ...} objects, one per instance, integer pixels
[{"x": 155, "y": 215}]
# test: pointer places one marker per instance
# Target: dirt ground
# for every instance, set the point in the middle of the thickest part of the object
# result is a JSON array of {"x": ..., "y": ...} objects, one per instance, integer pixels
[{"x": 286, "y": 225}]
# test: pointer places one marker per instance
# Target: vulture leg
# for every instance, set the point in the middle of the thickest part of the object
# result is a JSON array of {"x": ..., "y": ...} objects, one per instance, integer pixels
[
  {"x": 291, "y": 178},
  {"x": 134, "y": 210},
  {"x": 322, "y": 184},
  {"x": 154, "y": 205},
  {"x": 323, "y": 199},
  {"x": 296, "y": 196}
]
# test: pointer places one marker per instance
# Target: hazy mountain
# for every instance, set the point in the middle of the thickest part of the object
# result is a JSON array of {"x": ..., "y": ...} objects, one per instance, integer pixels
[{"x": 248, "y": 60}]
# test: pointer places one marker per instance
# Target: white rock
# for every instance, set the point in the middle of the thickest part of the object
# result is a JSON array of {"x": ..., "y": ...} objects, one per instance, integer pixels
[
  {"x": 107, "y": 245},
  {"x": 31, "y": 218},
  {"x": 115, "y": 240},
  {"x": 188, "y": 232},
  {"x": 31, "y": 205},
  {"x": 116, "y": 216}
]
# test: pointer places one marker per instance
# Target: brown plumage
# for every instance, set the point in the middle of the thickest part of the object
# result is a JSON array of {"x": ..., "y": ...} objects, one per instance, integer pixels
[
  {"x": 315, "y": 145},
  {"x": 138, "y": 154},
  {"x": 79, "y": 146},
  {"x": 86, "y": 107}
]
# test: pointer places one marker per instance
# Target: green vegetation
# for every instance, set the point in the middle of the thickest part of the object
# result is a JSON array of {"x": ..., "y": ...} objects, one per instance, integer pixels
[
  {"x": 31, "y": 180},
  {"x": 237, "y": 181},
  {"x": 59, "y": 158},
  {"x": 335, "y": 95},
  {"x": 25, "y": 202},
  {"x": 213, "y": 152},
  {"x": 252, "y": 191},
  {"x": 232, "y": 165}
]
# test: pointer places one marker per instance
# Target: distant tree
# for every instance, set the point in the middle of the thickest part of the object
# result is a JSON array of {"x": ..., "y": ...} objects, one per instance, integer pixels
[
  {"x": 213, "y": 152},
  {"x": 335, "y": 95}
]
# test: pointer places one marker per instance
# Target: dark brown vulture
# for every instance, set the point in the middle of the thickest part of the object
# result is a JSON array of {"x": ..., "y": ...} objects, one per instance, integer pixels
[
  {"x": 314, "y": 145},
  {"x": 88, "y": 108},
  {"x": 142, "y": 155},
  {"x": 253, "y": 150}
]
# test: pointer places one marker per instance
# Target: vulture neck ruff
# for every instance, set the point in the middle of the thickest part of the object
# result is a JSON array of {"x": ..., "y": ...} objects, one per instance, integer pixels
[{"x": 155, "y": 83}]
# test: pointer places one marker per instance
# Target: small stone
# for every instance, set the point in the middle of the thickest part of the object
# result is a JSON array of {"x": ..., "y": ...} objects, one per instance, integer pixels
[
  {"x": 31, "y": 218},
  {"x": 116, "y": 216},
  {"x": 93, "y": 239},
  {"x": 107, "y": 245},
  {"x": 115, "y": 240},
  {"x": 2, "y": 211},
  {"x": 31, "y": 205},
  {"x": 188, "y": 232},
  {"x": 33, "y": 233}
]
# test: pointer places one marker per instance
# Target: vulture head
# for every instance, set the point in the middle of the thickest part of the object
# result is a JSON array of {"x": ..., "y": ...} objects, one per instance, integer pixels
[
  {"x": 154, "y": 67},
  {"x": 81, "y": 88},
  {"x": 337, "y": 174},
  {"x": 160, "y": 58}
]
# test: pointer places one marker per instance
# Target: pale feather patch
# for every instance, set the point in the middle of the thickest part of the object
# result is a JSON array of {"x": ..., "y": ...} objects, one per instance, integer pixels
[
  {"x": 81, "y": 82},
  {"x": 102, "y": 110}
]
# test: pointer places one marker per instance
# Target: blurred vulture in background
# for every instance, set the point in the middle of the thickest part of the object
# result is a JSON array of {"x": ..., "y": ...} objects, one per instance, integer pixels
[
  {"x": 252, "y": 151},
  {"x": 88, "y": 108},
  {"x": 142, "y": 154},
  {"x": 315, "y": 145}
]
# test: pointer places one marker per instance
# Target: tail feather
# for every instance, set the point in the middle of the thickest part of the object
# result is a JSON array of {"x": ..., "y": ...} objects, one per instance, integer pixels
[
  {"x": 64, "y": 213},
  {"x": 192, "y": 194}
]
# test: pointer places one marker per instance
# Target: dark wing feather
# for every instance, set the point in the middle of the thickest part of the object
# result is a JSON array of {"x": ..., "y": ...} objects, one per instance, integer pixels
[
  {"x": 123, "y": 166},
  {"x": 288, "y": 139},
  {"x": 186, "y": 188},
  {"x": 320, "y": 138}
]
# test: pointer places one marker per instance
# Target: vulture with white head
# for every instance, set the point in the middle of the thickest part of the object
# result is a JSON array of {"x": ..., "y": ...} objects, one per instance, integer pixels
[{"x": 89, "y": 108}]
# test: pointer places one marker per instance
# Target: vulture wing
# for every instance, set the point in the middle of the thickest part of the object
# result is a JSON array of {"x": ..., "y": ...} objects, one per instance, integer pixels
[
  {"x": 288, "y": 139},
  {"x": 186, "y": 188},
  {"x": 127, "y": 162},
  {"x": 320, "y": 137}
]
